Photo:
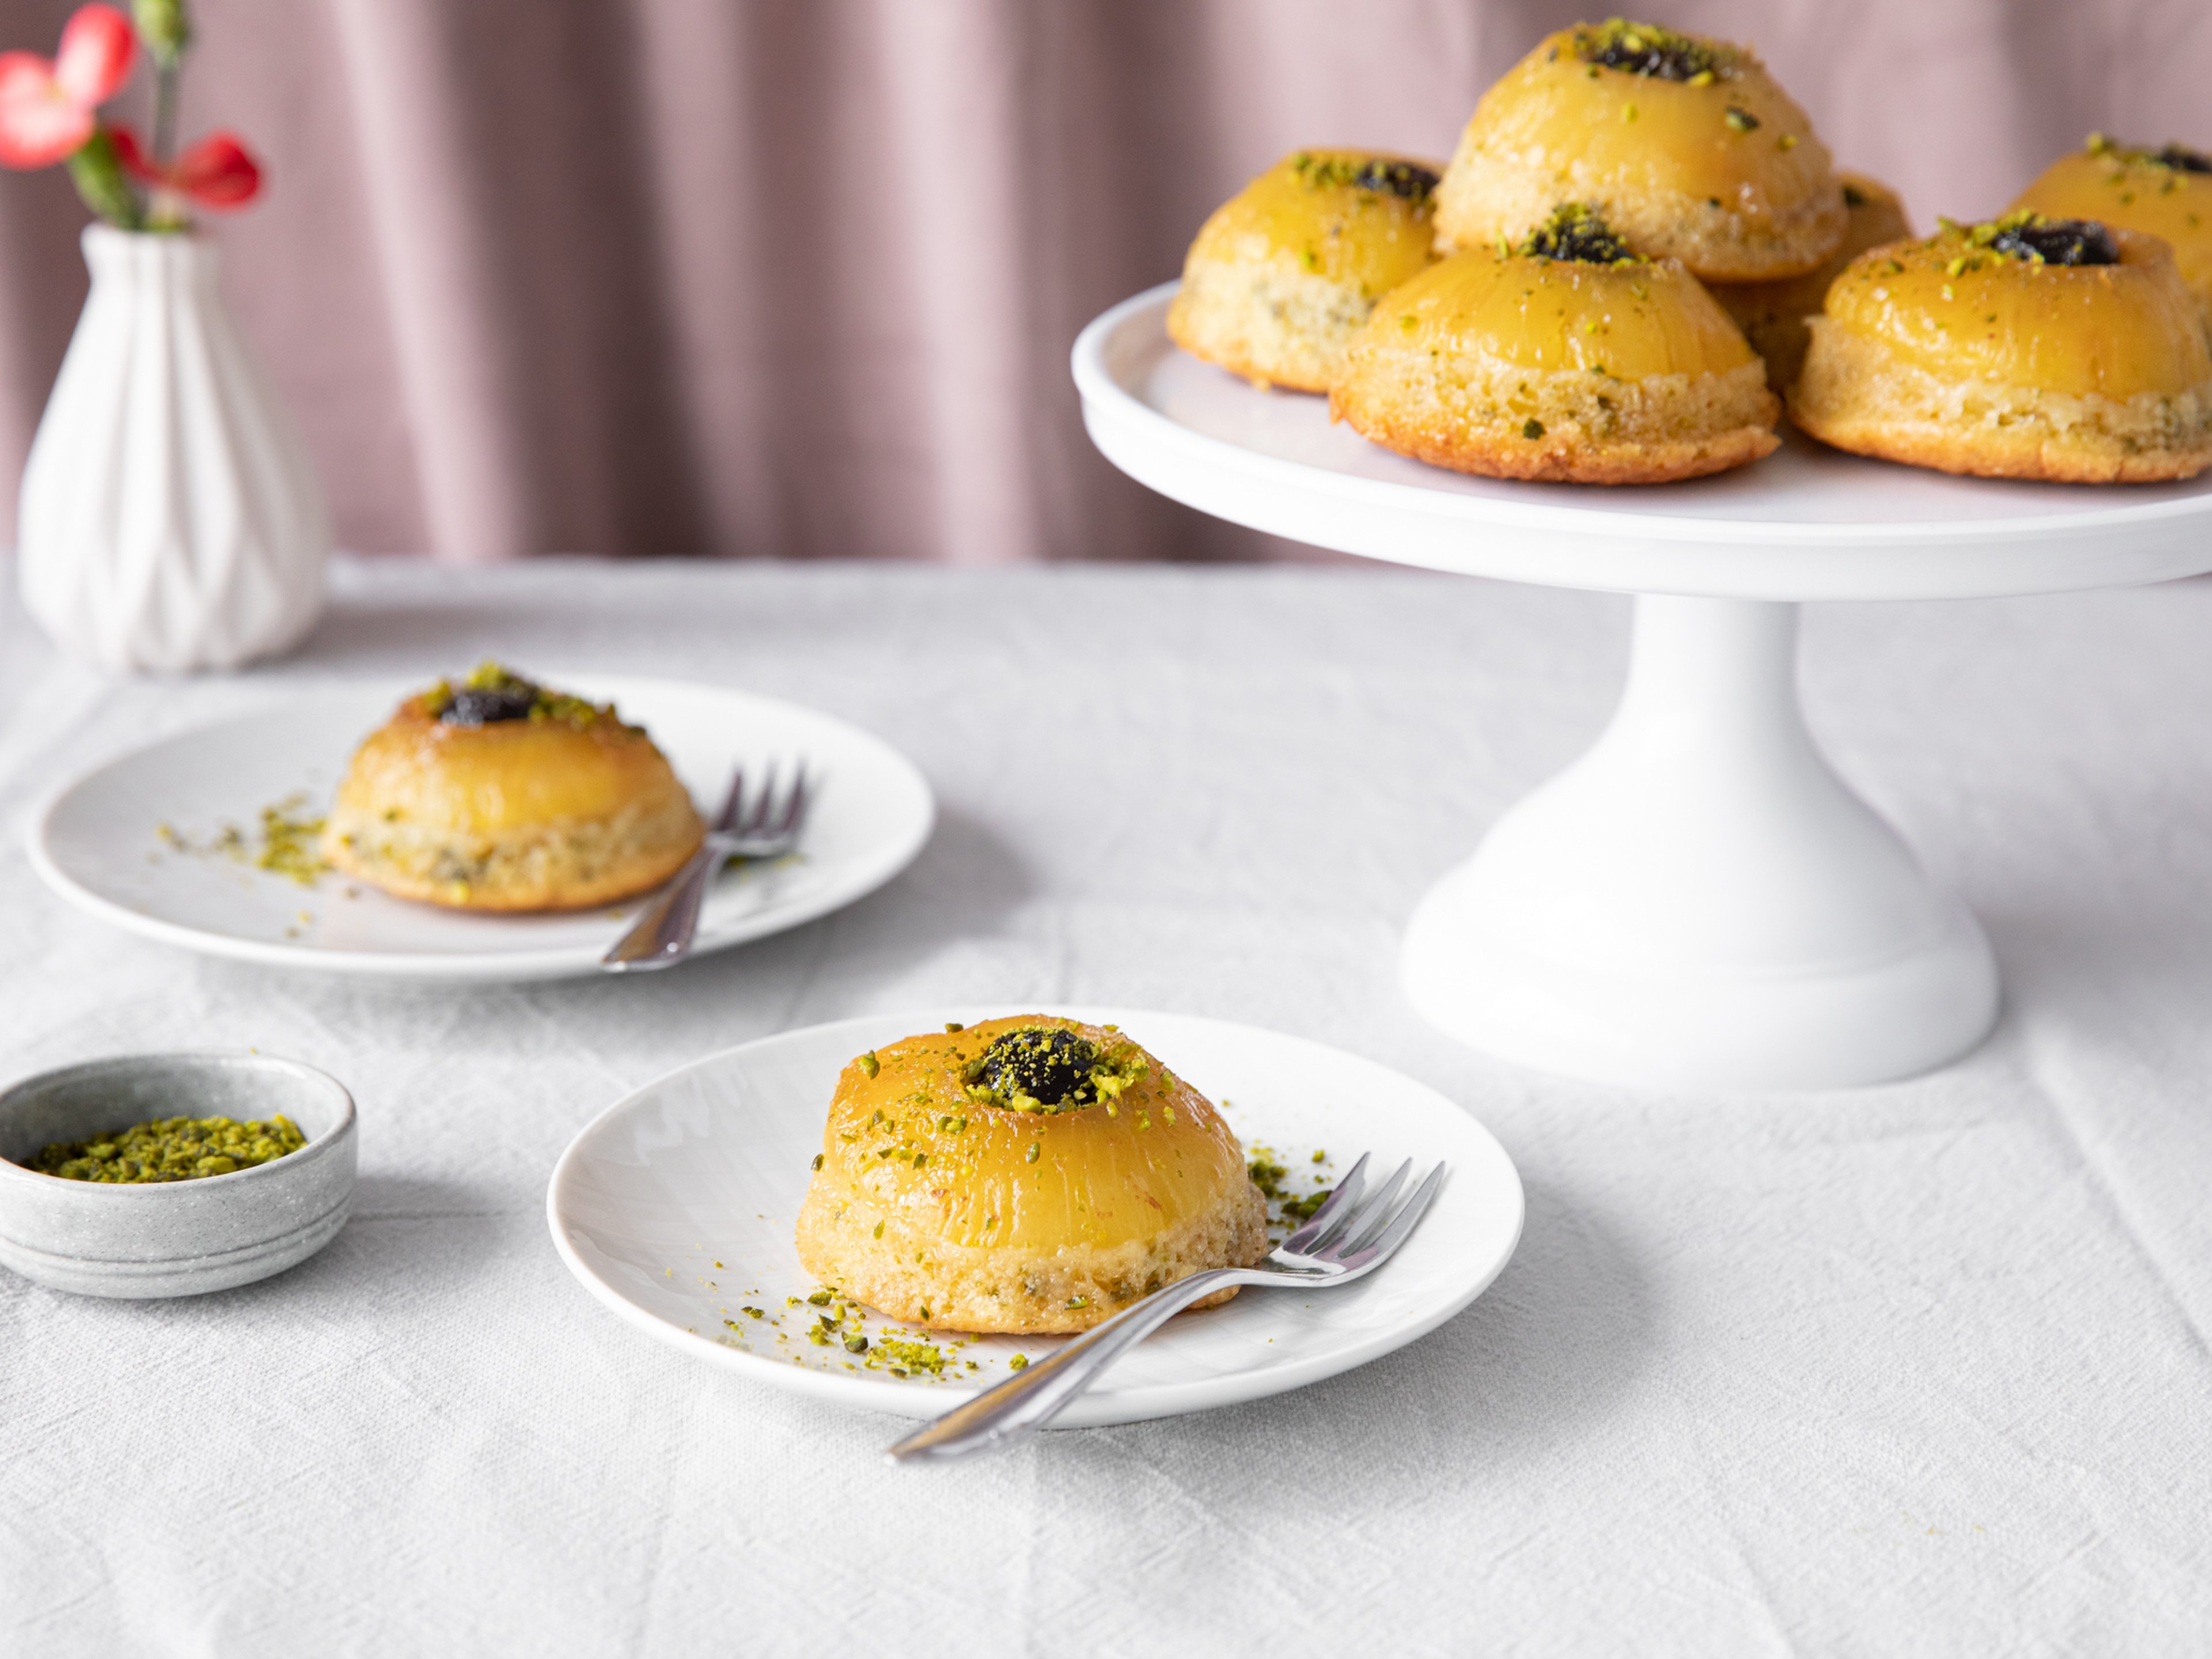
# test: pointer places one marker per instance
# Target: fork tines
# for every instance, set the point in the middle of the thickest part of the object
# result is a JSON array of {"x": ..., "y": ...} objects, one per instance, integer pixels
[
  {"x": 1350, "y": 1230},
  {"x": 764, "y": 816}
]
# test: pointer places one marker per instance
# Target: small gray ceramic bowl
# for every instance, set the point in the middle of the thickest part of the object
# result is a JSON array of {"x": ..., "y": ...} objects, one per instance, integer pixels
[{"x": 177, "y": 1237}]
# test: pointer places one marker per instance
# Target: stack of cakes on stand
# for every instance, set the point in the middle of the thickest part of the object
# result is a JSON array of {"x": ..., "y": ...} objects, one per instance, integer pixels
[
  {"x": 1564, "y": 331},
  {"x": 1644, "y": 254},
  {"x": 1641, "y": 247}
]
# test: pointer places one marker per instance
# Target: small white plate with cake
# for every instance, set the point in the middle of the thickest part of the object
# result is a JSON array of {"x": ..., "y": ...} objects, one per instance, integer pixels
[
  {"x": 482, "y": 842},
  {"x": 758, "y": 1208}
]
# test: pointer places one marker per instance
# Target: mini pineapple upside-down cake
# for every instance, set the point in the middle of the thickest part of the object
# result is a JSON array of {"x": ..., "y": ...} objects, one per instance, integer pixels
[{"x": 1029, "y": 1174}]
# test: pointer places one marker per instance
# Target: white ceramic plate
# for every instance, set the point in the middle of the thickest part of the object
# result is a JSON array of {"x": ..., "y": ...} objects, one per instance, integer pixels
[
  {"x": 675, "y": 1207},
  {"x": 1807, "y": 523},
  {"x": 98, "y": 843}
]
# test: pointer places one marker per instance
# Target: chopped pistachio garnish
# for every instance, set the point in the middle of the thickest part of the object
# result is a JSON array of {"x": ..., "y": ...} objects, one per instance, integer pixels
[
  {"x": 1740, "y": 120},
  {"x": 1303, "y": 1209},
  {"x": 291, "y": 840},
  {"x": 1020, "y": 1362},
  {"x": 165, "y": 1149},
  {"x": 869, "y": 1064},
  {"x": 289, "y": 843},
  {"x": 912, "y": 1355},
  {"x": 1266, "y": 1174}
]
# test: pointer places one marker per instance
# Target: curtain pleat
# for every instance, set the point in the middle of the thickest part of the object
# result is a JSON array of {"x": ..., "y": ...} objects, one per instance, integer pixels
[{"x": 799, "y": 277}]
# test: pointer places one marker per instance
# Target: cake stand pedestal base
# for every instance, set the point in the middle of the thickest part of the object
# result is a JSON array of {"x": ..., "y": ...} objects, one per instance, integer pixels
[{"x": 1699, "y": 902}]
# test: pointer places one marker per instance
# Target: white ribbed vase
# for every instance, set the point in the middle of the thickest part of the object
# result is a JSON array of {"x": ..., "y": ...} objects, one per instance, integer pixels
[{"x": 169, "y": 517}]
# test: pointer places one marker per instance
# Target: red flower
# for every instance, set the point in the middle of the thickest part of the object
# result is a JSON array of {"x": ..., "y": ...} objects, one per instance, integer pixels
[
  {"x": 218, "y": 172},
  {"x": 46, "y": 108}
]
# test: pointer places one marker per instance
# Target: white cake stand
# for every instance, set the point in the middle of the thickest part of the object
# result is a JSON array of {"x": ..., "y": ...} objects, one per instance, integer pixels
[{"x": 1698, "y": 901}]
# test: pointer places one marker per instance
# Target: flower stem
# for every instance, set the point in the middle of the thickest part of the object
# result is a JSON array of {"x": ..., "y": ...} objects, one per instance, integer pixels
[{"x": 165, "y": 110}]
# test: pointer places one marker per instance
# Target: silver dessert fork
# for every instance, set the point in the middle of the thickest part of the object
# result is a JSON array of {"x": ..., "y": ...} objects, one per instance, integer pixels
[
  {"x": 1346, "y": 1238},
  {"x": 767, "y": 827}
]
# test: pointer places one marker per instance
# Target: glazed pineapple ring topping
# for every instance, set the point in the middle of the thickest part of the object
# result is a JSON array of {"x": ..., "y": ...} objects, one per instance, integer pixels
[
  {"x": 1990, "y": 302},
  {"x": 1651, "y": 50}
]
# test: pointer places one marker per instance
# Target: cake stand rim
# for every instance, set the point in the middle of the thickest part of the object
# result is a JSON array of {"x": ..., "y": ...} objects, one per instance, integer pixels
[{"x": 1103, "y": 395}]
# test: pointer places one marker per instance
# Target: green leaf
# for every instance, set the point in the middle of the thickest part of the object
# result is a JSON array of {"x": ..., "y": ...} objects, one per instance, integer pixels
[{"x": 99, "y": 179}]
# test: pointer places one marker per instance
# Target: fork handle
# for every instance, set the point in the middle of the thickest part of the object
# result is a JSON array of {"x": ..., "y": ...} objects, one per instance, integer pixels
[
  {"x": 1026, "y": 1401},
  {"x": 662, "y": 936}
]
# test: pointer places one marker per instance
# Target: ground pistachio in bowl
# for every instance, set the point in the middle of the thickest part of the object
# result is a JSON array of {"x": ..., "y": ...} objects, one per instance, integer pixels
[
  {"x": 171, "y": 1149},
  {"x": 162, "y": 1175}
]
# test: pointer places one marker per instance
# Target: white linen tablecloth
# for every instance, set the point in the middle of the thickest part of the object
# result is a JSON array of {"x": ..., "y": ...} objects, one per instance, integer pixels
[{"x": 1917, "y": 1369}]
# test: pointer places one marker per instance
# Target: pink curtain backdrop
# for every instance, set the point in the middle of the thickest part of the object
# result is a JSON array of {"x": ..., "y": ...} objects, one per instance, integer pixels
[{"x": 799, "y": 277}]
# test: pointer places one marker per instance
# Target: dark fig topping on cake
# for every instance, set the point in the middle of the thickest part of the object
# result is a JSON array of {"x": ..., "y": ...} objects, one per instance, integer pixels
[
  {"x": 1648, "y": 49},
  {"x": 469, "y": 707},
  {"x": 2057, "y": 241},
  {"x": 1575, "y": 231},
  {"x": 1049, "y": 1068},
  {"x": 2026, "y": 236},
  {"x": 1047, "y": 1064},
  {"x": 1401, "y": 179},
  {"x": 492, "y": 694},
  {"x": 1406, "y": 180}
]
